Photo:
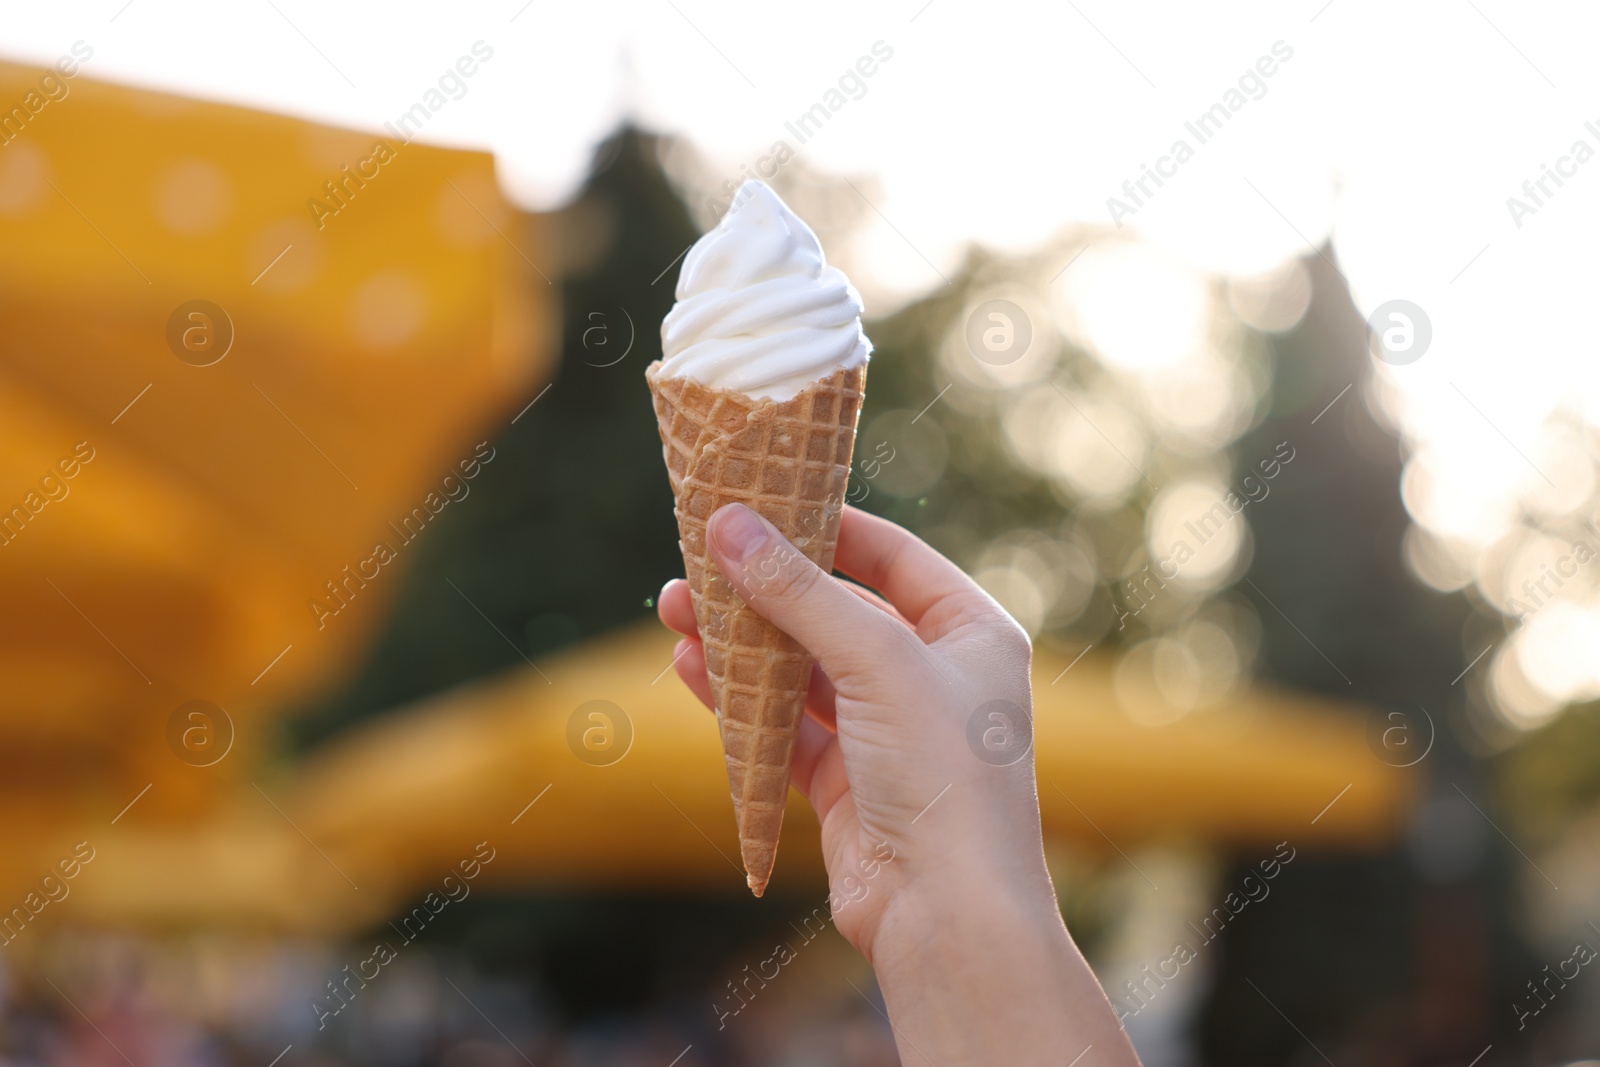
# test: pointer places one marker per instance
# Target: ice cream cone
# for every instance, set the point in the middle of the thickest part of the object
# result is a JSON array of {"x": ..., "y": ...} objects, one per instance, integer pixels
[{"x": 790, "y": 461}]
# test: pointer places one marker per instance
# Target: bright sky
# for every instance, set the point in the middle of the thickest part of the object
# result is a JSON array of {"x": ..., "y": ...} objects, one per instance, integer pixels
[{"x": 1399, "y": 130}]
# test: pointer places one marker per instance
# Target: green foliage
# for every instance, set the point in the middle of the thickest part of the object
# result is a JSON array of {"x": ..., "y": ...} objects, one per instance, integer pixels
[{"x": 1553, "y": 777}]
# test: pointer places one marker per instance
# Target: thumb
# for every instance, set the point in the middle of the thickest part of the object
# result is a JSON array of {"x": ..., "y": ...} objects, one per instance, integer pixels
[{"x": 842, "y": 630}]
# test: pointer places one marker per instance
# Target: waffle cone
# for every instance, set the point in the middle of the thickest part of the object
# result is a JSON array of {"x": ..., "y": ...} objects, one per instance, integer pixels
[{"x": 790, "y": 461}]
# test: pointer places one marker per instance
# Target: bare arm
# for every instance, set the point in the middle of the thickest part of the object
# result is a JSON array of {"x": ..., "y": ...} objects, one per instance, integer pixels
[{"x": 960, "y": 922}]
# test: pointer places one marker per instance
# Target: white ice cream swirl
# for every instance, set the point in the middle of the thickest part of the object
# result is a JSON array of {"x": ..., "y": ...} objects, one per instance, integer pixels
[{"x": 759, "y": 310}]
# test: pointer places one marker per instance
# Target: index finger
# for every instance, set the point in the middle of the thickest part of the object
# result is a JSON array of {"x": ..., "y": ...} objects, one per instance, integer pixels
[{"x": 908, "y": 571}]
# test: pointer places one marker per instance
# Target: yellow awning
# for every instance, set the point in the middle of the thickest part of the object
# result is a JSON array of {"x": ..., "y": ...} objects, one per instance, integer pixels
[
  {"x": 175, "y": 490},
  {"x": 395, "y": 804}
]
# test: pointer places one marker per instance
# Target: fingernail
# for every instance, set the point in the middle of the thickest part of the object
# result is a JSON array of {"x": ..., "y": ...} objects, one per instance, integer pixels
[{"x": 738, "y": 532}]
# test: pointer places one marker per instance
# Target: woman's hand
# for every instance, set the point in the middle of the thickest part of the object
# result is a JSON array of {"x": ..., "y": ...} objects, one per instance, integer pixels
[
  {"x": 917, "y": 746},
  {"x": 883, "y": 755}
]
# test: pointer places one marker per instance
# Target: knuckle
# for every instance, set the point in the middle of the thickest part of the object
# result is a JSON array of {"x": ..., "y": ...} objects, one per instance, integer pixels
[
  {"x": 1010, "y": 633},
  {"x": 982, "y": 618},
  {"x": 1013, "y": 640},
  {"x": 1001, "y": 632},
  {"x": 783, "y": 575}
]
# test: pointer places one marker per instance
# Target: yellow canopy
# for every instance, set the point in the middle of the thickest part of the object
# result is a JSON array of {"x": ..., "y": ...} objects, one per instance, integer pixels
[
  {"x": 214, "y": 398},
  {"x": 395, "y": 805}
]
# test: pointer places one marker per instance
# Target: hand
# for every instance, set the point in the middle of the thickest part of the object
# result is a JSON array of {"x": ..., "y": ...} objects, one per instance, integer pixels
[
  {"x": 891, "y": 693},
  {"x": 883, "y": 756}
]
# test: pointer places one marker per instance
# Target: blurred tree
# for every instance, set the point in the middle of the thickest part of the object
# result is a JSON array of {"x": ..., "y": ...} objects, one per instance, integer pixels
[
  {"x": 569, "y": 531},
  {"x": 1554, "y": 777},
  {"x": 1348, "y": 953}
]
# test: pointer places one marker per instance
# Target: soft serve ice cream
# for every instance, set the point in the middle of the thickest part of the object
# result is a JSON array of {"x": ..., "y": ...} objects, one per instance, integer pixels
[
  {"x": 757, "y": 400},
  {"x": 759, "y": 310}
]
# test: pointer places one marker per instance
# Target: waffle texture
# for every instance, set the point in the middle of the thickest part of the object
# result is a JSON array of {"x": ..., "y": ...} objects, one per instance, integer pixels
[{"x": 790, "y": 461}]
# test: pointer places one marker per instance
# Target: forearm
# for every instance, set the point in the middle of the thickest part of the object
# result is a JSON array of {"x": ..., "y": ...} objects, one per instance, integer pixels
[{"x": 984, "y": 978}]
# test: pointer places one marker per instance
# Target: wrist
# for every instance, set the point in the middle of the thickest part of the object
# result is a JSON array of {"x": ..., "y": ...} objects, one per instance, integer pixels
[
  {"x": 961, "y": 915},
  {"x": 963, "y": 877},
  {"x": 979, "y": 970}
]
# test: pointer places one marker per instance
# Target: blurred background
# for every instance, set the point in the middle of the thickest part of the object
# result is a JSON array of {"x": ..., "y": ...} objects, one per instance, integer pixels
[{"x": 1241, "y": 353}]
